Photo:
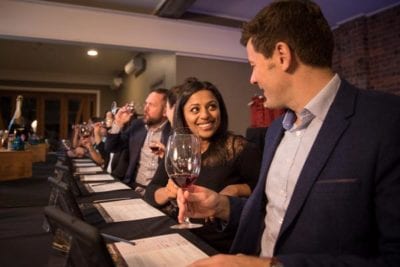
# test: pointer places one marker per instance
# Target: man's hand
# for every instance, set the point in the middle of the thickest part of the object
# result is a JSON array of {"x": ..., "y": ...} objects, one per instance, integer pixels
[
  {"x": 123, "y": 115},
  {"x": 160, "y": 152},
  {"x": 239, "y": 260},
  {"x": 202, "y": 203}
]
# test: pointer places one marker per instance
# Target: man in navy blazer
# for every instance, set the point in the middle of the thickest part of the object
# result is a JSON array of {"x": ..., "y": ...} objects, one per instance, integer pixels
[
  {"x": 140, "y": 170},
  {"x": 329, "y": 187}
]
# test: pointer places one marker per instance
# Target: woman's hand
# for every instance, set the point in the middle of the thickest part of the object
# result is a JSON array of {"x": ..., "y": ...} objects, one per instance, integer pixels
[
  {"x": 236, "y": 190},
  {"x": 171, "y": 189}
]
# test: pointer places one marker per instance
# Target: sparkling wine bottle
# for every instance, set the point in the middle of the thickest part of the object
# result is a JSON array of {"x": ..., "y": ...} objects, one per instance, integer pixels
[{"x": 18, "y": 123}]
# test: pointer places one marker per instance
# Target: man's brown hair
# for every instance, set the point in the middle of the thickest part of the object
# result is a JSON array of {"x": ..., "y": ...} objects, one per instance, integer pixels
[{"x": 298, "y": 23}]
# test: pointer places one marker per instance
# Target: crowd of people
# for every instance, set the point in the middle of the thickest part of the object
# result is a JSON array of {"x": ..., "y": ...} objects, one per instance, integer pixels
[{"x": 325, "y": 190}]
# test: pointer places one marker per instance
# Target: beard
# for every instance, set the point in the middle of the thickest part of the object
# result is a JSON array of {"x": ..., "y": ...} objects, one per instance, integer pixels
[{"x": 152, "y": 121}]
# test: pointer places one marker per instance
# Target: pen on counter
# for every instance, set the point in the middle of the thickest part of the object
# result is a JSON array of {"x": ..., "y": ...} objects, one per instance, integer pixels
[
  {"x": 84, "y": 173},
  {"x": 103, "y": 183},
  {"x": 111, "y": 199},
  {"x": 115, "y": 238}
]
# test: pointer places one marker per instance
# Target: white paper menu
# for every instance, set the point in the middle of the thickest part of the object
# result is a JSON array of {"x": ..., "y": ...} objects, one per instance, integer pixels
[
  {"x": 165, "y": 250},
  {"x": 105, "y": 186},
  {"x": 84, "y": 164},
  {"x": 97, "y": 177},
  {"x": 87, "y": 170},
  {"x": 127, "y": 210},
  {"x": 82, "y": 160}
]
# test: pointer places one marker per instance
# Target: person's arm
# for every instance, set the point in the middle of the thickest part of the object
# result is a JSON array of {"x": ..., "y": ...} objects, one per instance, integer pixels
[
  {"x": 94, "y": 154},
  {"x": 97, "y": 133},
  {"x": 75, "y": 136},
  {"x": 118, "y": 139},
  {"x": 236, "y": 190},
  {"x": 164, "y": 194}
]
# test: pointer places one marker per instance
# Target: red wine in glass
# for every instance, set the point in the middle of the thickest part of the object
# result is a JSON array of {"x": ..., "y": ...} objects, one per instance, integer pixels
[
  {"x": 182, "y": 164},
  {"x": 184, "y": 180},
  {"x": 154, "y": 148}
]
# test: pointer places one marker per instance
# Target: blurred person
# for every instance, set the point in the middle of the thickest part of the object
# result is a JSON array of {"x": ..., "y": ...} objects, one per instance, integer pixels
[
  {"x": 329, "y": 187},
  {"x": 77, "y": 152},
  {"x": 142, "y": 162},
  {"x": 117, "y": 163},
  {"x": 172, "y": 97}
]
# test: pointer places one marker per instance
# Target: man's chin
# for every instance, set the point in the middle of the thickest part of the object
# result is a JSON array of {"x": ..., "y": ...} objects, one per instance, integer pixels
[{"x": 150, "y": 122}]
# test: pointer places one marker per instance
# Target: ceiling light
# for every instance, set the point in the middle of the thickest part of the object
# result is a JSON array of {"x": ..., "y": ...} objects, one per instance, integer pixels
[{"x": 92, "y": 52}]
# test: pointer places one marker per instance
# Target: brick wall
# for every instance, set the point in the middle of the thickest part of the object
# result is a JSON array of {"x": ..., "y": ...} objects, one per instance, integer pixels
[{"x": 367, "y": 51}]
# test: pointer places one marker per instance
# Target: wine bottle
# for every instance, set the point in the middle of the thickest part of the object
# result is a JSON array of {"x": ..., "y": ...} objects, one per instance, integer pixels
[{"x": 18, "y": 123}]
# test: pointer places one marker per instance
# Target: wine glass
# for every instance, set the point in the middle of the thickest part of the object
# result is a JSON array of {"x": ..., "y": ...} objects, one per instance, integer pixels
[
  {"x": 114, "y": 107},
  {"x": 85, "y": 130},
  {"x": 152, "y": 142},
  {"x": 66, "y": 144},
  {"x": 182, "y": 164}
]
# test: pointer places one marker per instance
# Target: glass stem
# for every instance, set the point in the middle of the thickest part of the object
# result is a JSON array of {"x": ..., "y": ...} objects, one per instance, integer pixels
[{"x": 187, "y": 220}]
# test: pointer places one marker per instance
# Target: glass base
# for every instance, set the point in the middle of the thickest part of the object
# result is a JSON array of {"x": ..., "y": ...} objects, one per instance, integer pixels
[{"x": 186, "y": 225}]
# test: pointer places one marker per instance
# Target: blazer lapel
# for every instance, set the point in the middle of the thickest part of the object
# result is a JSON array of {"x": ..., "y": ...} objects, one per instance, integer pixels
[
  {"x": 136, "y": 142},
  {"x": 334, "y": 125}
]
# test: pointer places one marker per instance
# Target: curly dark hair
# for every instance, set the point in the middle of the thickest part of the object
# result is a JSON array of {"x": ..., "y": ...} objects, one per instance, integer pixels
[{"x": 298, "y": 23}]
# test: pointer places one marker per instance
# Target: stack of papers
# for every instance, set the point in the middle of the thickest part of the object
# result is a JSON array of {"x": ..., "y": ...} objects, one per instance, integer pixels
[
  {"x": 127, "y": 210},
  {"x": 165, "y": 250},
  {"x": 88, "y": 170},
  {"x": 106, "y": 186},
  {"x": 97, "y": 177},
  {"x": 82, "y": 160},
  {"x": 84, "y": 164}
]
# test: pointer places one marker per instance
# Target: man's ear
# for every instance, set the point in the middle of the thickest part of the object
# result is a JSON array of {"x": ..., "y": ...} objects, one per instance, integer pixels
[{"x": 284, "y": 56}]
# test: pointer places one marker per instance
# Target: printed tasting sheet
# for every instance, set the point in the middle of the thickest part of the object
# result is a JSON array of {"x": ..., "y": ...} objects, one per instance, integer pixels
[
  {"x": 85, "y": 164},
  {"x": 88, "y": 170},
  {"x": 127, "y": 210},
  {"x": 82, "y": 160},
  {"x": 165, "y": 250},
  {"x": 97, "y": 177},
  {"x": 105, "y": 186}
]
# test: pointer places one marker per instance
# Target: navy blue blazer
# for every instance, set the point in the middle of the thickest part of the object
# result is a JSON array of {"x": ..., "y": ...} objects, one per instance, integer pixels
[
  {"x": 345, "y": 209},
  {"x": 133, "y": 138}
]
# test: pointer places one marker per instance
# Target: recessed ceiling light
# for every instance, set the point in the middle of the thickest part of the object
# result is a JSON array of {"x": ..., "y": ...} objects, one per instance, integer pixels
[{"x": 92, "y": 52}]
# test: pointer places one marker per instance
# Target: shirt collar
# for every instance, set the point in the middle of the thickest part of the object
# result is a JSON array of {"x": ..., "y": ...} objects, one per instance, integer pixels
[
  {"x": 320, "y": 104},
  {"x": 317, "y": 107}
]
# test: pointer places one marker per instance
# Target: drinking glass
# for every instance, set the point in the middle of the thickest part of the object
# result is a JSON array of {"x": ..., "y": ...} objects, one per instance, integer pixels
[
  {"x": 66, "y": 144},
  {"x": 85, "y": 130},
  {"x": 182, "y": 164},
  {"x": 152, "y": 141},
  {"x": 114, "y": 107}
]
